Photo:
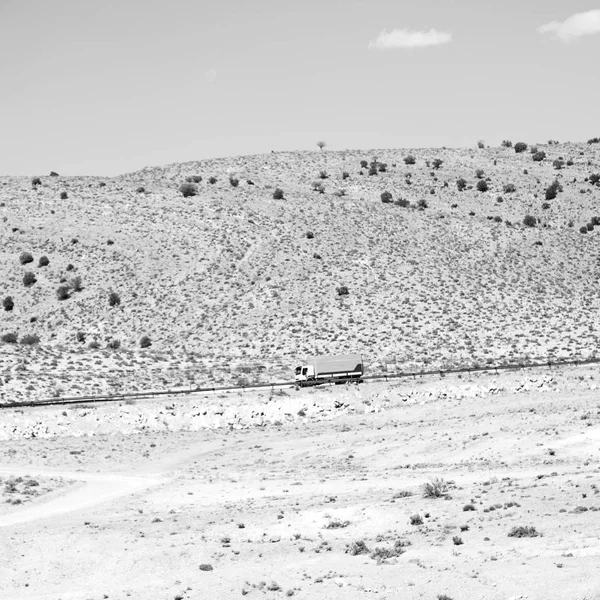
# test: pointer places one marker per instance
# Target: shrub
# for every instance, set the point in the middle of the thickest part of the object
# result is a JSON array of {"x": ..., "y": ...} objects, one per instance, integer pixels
[
  {"x": 373, "y": 170},
  {"x": 461, "y": 184},
  {"x": 595, "y": 140},
  {"x": 196, "y": 178},
  {"x": 64, "y": 195},
  {"x": 318, "y": 187},
  {"x": 594, "y": 178},
  {"x": 482, "y": 185},
  {"x": 317, "y": 256},
  {"x": 509, "y": 188},
  {"x": 545, "y": 206},
  {"x": 416, "y": 519},
  {"x": 8, "y": 303},
  {"x": 323, "y": 175},
  {"x": 468, "y": 507},
  {"x": 113, "y": 345},
  {"x": 410, "y": 160},
  {"x": 94, "y": 345},
  {"x": 212, "y": 180},
  {"x": 9, "y": 338},
  {"x": 590, "y": 226},
  {"x": 345, "y": 174},
  {"x": 74, "y": 241},
  {"x": 481, "y": 144},
  {"x": 234, "y": 181},
  {"x": 114, "y": 299},
  {"x": 141, "y": 189},
  {"x": 437, "y": 163},
  {"x": 380, "y": 553},
  {"x": 25, "y": 258},
  {"x": 62, "y": 292},
  {"x": 53, "y": 174},
  {"x": 35, "y": 182},
  {"x": 310, "y": 235},
  {"x": 520, "y": 532},
  {"x": 29, "y": 279},
  {"x": 382, "y": 167},
  {"x": 529, "y": 221},
  {"x": 43, "y": 262},
  {"x": 422, "y": 203},
  {"x": 188, "y": 189},
  {"x": 80, "y": 337},
  {"x": 364, "y": 164},
  {"x": 506, "y": 144},
  {"x": 403, "y": 202},
  {"x": 31, "y": 339},
  {"x": 337, "y": 524},
  {"x": 145, "y": 342},
  {"x": 457, "y": 541},
  {"x": 356, "y": 548},
  {"x": 558, "y": 164},
  {"x": 583, "y": 229},
  {"x": 436, "y": 488},
  {"x": 539, "y": 156},
  {"x": 520, "y": 147},
  {"x": 552, "y": 190},
  {"x": 321, "y": 145},
  {"x": 75, "y": 283},
  {"x": 479, "y": 173},
  {"x": 342, "y": 290},
  {"x": 386, "y": 197}
]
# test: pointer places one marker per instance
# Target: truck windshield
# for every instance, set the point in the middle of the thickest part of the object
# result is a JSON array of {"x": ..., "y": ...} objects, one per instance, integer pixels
[
  {"x": 304, "y": 370},
  {"x": 298, "y": 369}
]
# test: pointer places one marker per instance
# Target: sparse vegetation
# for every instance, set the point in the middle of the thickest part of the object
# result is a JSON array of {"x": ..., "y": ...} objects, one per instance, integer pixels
[
  {"x": 30, "y": 339},
  {"x": 188, "y": 189},
  {"x": 9, "y": 338},
  {"x": 436, "y": 488},
  {"x": 482, "y": 186},
  {"x": 529, "y": 221},
  {"x": 522, "y": 531},
  {"x": 520, "y": 147},
  {"x": 461, "y": 184},
  {"x": 25, "y": 258},
  {"x": 8, "y": 303},
  {"x": 386, "y": 197},
  {"x": 114, "y": 299},
  {"x": 410, "y": 160},
  {"x": 44, "y": 261},
  {"x": 145, "y": 342},
  {"x": 62, "y": 292},
  {"x": 539, "y": 155},
  {"x": 278, "y": 194},
  {"x": 342, "y": 290},
  {"x": 29, "y": 279}
]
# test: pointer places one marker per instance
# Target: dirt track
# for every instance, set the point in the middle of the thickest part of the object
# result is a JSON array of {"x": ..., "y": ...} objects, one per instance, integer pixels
[{"x": 276, "y": 506}]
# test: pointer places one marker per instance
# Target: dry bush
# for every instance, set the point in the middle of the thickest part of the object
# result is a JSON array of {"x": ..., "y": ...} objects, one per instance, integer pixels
[{"x": 436, "y": 488}]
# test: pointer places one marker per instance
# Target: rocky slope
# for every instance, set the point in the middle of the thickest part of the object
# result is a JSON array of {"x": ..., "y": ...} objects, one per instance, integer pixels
[{"x": 233, "y": 285}]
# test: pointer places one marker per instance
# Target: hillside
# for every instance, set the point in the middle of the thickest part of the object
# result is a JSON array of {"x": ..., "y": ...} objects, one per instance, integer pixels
[{"x": 229, "y": 287}]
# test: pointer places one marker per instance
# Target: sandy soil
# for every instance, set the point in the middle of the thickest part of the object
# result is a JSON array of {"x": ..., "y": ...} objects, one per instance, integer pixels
[{"x": 272, "y": 510}]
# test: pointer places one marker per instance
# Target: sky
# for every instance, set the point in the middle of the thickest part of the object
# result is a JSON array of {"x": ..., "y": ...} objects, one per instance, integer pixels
[{"x": 104, "y": 88}]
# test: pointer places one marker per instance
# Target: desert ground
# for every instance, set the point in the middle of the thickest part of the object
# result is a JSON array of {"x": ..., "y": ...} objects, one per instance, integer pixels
[{"x": 310, "y": 493}]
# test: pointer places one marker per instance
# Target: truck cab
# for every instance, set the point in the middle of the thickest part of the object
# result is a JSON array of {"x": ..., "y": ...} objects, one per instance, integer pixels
[{"x": 305, "y": 373}]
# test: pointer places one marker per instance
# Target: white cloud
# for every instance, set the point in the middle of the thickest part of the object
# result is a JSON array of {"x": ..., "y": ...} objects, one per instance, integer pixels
[
  {"x": 585, "y": 23},
  {"x": 404, "y": 38},
  {"x": 210, "y": 76}
]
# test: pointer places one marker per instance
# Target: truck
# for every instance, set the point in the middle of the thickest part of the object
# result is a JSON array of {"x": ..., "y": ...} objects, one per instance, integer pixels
[{"x": 320, "y": 369}]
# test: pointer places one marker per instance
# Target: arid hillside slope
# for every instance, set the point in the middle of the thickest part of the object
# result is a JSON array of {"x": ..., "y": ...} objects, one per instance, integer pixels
[{"x": 232, "y": 284}]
